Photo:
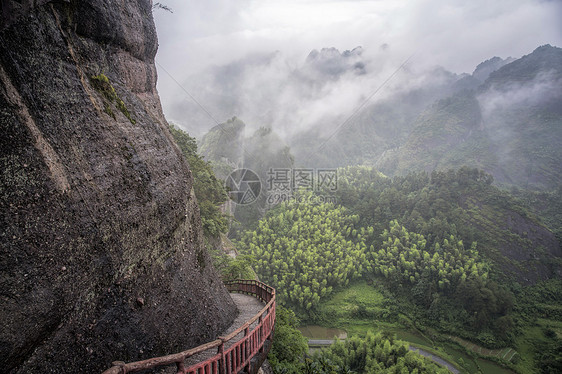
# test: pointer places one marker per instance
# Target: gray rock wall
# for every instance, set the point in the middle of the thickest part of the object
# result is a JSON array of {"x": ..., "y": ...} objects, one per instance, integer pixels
[{"x": 101, "y": 252}]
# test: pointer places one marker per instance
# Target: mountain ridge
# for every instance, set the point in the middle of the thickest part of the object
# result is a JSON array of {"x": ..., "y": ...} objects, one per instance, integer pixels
[{"x": 519, "y": 117}]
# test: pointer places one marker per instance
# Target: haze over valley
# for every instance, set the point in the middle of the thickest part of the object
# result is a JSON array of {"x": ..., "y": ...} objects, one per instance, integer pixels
[
  {"x": 441, "y": 123},
  {"x": 291, "y": 186}
]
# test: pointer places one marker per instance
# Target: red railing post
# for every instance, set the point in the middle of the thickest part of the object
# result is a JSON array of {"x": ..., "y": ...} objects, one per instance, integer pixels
[
  {"x": 247, "y": 348},
  {"x": 260, "y": 332},
  {"x": 222, "y": 366}
]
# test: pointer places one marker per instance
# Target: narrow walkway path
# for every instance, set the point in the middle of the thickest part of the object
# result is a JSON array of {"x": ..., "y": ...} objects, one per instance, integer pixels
[{"x": 248, "y": 306}]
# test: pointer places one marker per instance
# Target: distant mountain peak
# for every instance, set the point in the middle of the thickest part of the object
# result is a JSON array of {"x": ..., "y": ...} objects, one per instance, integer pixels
[
  {"x": 546, "y": 47},
  {"x": 357, "y": 51},
  {"x": 332, "y": 52},
  {"x": 545, "y": 59},
  {"x": 331, "y": 62},
  {"x": 484, "y": 69}
]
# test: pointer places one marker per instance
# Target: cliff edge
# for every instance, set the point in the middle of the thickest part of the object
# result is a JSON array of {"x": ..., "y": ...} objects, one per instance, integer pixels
[{"x": 101, "y": 250}]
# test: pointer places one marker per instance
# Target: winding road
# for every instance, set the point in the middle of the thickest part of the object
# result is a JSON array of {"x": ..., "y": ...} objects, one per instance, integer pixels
[{"x": 435, "y": 359}]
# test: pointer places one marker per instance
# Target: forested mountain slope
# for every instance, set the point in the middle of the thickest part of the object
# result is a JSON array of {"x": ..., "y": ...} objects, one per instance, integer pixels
[
  {"x": 461, "y": 203},
  {"x": 510, "y": 126},
  {"x": 384, "y": 124},
  {"x": 450, "y": 243}
]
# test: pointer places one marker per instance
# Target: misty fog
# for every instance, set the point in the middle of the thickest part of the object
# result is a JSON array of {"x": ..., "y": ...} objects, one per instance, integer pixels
[{"x": 296, "y": 65}]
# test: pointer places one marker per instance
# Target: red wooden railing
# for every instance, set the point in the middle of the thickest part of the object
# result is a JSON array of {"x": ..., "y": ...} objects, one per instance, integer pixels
[{"x": 229, "y": 360}]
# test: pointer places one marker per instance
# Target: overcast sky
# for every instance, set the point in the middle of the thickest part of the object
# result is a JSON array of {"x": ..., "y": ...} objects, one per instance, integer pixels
[{"x": 451, "y": 33}]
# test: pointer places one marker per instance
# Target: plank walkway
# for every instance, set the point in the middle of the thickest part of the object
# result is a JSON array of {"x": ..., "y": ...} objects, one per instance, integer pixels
[
  {"x": 244, "y": 344},
  {"x": 248, "y": 306}
]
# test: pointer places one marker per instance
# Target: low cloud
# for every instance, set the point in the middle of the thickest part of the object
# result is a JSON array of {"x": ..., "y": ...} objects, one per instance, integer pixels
[
  {"x": 323, "y": 90},
  {"x": 224, "y": 53},
  {"x": 544, "y": 87}
]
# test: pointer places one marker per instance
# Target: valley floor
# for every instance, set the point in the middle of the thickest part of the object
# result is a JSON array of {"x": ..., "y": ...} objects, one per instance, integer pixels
[{"x": 342, "y": 314}]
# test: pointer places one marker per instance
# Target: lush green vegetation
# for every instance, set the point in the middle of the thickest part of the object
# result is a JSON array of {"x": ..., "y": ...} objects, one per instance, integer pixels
[
  {"x": 371, "y": 353},
  {"x": 462, "y": 203},
  {"x": 308, "y": 251},
  {"x": 448, "y": 281},
  {"x": 404, "y": 259},
  {"x": 547, "y": 204},
  {"x": 539, "y": 321},
  {"x": 305, "y": 251},
  {"x": 431, "y": 255},
  {"x": 363, "y": 307},
  {"x": 102, "y": 84},
  {"x": 289, "y": 346},
  {"x": 442, "y": 259},
  {"x": 231, "y": 268},
  {"x": 358, "y": 303},
  {"x": 374, "y": 353},
  {"x": 209, "y": 190}
]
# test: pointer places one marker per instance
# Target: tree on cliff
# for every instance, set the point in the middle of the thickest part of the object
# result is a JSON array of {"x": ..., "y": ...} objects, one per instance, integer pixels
[{"x": 209, "y": 190}]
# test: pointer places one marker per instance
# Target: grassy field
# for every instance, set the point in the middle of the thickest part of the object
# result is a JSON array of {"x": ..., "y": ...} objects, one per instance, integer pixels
[
  {"x": 362, "y": 307},
  {"x": 532, "y": 335},
  {"x": 506, "y": 354},
  {"x": 350, "y": 300}
]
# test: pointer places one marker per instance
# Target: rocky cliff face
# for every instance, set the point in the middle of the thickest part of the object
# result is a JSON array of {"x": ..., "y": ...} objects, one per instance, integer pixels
[{"x": 101, "y": 253}]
